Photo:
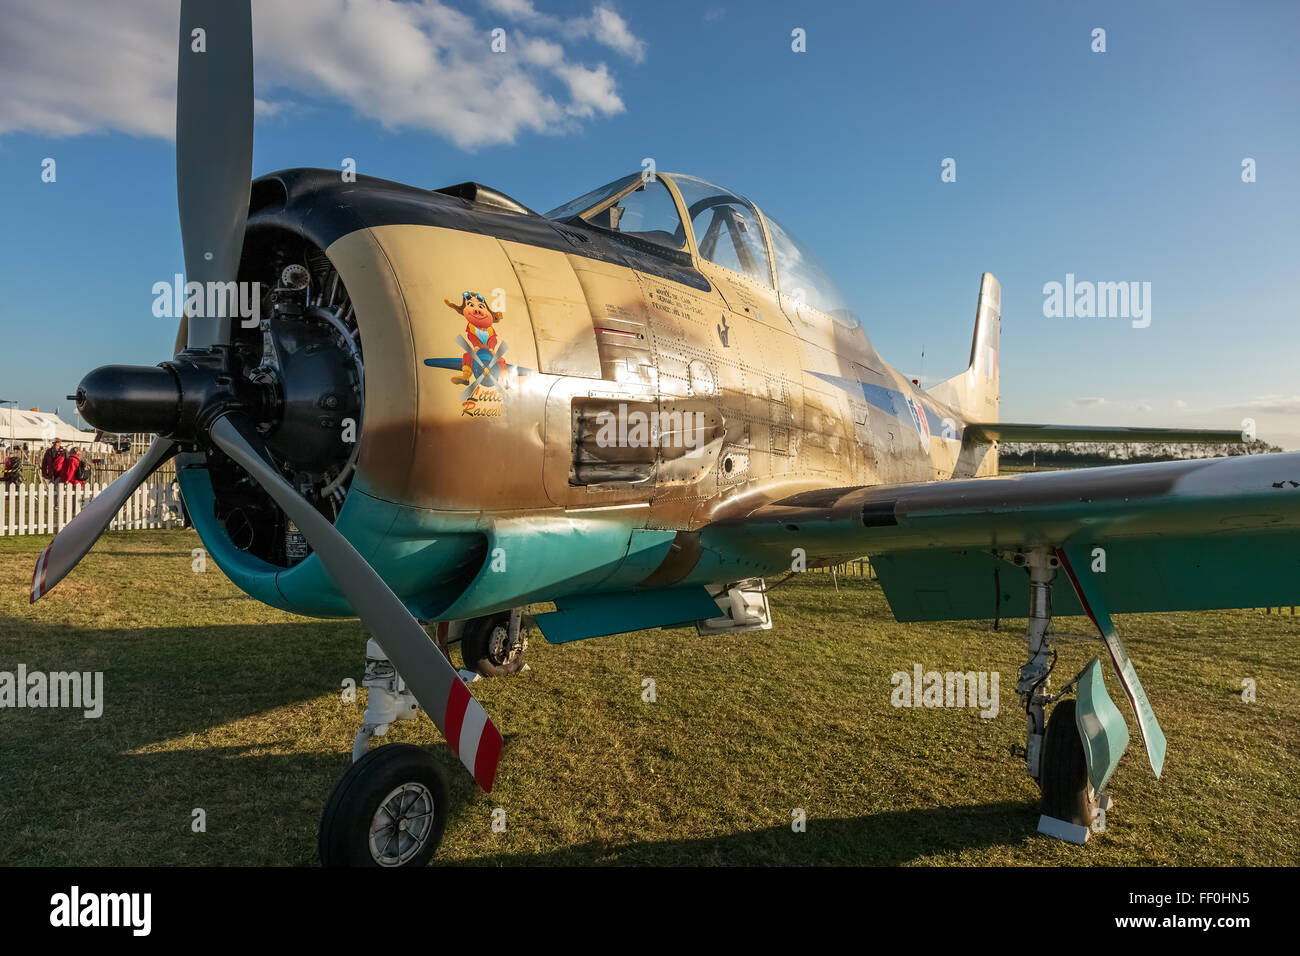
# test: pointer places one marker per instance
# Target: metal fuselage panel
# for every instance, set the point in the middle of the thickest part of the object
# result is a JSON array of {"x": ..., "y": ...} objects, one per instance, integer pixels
[
  {"x": 804, "y": 402},
  {"x": 486, "y": 332}
]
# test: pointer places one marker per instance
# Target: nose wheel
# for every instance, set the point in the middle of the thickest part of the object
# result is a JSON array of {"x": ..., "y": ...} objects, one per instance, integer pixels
[{"x": 388, "y": 810}]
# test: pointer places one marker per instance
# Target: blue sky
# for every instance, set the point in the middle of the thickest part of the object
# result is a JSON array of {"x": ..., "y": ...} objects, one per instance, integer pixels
[{"x": 1115, "y": 166}]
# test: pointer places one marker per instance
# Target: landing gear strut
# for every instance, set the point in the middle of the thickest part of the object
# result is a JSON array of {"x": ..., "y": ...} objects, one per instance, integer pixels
[
  {"x": 1072, "y": 796},
  {"x": 388, "y": 700},
  {"x": 1054, "y": 751}
]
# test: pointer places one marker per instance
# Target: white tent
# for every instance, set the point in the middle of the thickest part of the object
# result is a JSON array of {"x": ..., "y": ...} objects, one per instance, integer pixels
[{"x": 18, "y": 425}]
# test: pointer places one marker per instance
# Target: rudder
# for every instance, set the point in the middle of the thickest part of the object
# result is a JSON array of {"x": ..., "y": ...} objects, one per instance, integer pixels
[{"x": 974, "y": 393}]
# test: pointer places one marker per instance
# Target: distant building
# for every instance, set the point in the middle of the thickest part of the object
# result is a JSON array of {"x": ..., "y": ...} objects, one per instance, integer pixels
[{"x": 20, "y": 427}]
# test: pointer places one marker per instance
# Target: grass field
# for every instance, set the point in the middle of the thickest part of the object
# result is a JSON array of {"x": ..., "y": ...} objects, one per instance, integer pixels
[{"x": 214, "y": 701}]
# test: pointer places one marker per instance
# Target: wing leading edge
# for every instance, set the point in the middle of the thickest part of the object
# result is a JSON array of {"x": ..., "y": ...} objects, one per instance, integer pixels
[{"x": 1178, "y": 535}]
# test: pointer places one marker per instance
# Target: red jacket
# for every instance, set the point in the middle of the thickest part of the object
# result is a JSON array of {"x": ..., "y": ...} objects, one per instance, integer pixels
[{"x": 68, "y": 471}]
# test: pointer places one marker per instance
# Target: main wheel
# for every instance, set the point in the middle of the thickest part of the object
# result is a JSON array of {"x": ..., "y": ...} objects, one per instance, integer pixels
[
  {"x": 1067, "y": 793},
  {"x": 389, "y": 809},
  {"x": 487, "y": 649}
]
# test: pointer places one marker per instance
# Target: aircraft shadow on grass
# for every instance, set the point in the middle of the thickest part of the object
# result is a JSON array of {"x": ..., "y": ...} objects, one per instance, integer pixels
[
  {"x": 165, "y": 684},
  {"x": 890, "y": 838}
]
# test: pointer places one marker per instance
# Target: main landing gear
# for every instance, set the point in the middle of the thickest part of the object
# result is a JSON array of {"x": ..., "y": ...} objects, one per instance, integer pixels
[
  {"x": 1072, "y": 755},
  {"x": 494, "y": 646},
  {"x": 390, "y": 808}
]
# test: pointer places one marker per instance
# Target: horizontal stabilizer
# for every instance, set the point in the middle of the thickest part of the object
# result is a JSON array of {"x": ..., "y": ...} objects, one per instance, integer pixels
[{"x": 1011, "y": 431}]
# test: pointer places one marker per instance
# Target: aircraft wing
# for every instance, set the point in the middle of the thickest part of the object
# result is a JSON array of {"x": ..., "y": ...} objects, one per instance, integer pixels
[
  {"x": 983, "y": 432},
  {"x": 1177, "y": 535}
]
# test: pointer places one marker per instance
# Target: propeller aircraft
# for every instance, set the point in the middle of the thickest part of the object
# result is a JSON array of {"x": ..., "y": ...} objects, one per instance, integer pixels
[{"x": 652, "y": 399}]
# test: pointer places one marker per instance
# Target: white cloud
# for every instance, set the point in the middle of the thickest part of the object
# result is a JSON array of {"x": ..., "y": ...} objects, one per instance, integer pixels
[
  {"x": 1268, "y": 404},
  {"x": 69, "y": 68},
  {"x": 592, "y": 91},
  {"x": 1087, "y": 402},
  {"x": 515, "y": 9},
  {"x": 609, "y": 28},
  {"x": 66, "y": 68},
  {"x": 605, "y": 25}
]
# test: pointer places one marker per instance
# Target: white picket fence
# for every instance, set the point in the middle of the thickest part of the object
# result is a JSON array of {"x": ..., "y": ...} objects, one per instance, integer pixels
[{"x": 41, "y": 508}]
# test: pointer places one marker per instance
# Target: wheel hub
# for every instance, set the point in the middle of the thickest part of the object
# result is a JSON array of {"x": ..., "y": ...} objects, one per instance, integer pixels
[
  {"x": 402, "y": 824},
  {"x": 500, "y": 649}
]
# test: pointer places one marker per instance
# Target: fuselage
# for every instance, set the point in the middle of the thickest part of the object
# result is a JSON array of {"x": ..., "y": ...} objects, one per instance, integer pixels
[{"x": 498, "y": 344}]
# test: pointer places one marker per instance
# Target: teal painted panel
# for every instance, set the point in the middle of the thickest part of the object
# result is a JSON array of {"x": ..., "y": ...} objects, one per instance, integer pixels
[
  {"x": 253, "y": 576},
  {"x": 1150, "y": 573},
  {"x": 1101, "y": 726},
  {"x": 578, "y": 618},
  {"x": 646, "y": 550},
  {"x": 425, "y": 562},
  {"x": 542, "y": 558},
  {"x": 425, "y": 566},
  {"x": 960, "y": 585}
]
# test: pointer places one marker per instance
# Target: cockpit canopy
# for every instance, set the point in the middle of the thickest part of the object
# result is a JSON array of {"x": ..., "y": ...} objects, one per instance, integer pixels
[{"x": 725, "y": 229}]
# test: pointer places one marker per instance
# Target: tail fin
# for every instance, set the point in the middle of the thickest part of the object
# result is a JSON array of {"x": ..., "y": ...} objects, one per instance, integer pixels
[{"x": 974, "y": 393}]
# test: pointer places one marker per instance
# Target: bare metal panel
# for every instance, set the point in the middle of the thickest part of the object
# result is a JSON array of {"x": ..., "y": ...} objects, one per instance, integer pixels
[{"x": 566, "y": 339}]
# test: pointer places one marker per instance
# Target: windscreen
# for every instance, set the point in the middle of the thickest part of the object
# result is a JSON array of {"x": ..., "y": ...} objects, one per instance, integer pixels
[
  {"x": 593, "y": 198},
  {"x": 803, "y": 279}
]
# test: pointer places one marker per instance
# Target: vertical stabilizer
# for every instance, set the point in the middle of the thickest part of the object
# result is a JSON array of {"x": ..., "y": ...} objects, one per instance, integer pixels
[{"x": 974, "y": 393}]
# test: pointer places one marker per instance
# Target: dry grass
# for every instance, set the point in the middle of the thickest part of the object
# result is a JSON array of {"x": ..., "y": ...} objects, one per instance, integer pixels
[{"x": 215, "y": 701}]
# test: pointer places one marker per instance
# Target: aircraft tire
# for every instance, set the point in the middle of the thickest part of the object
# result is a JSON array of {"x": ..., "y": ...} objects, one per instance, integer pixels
[
  {"x": 1067, "y": 793},
  {"x": 482, "y": 647},
  {"x": 388, "y": 810}
]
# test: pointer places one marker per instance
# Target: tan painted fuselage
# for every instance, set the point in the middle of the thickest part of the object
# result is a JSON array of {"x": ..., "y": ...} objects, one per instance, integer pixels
[{"x": 578, "y": 332}]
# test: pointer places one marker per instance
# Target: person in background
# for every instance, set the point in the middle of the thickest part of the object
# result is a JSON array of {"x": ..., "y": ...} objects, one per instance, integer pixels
[
  {"x": 52, "y": 461},
  {"x": 56, "y": 459},
  {"x": 71, "y": 472},
  {"x": 13, "y": 473}
]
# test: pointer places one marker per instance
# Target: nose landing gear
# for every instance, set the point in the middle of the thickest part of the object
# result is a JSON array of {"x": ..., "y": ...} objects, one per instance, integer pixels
[{"x": 390, "y": 808}]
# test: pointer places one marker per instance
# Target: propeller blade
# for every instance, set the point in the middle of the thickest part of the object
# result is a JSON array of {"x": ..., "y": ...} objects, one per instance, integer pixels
[
  {"x": 431, "y": 677},
  {"x": 80, "y": 534},
  {"x": 182, "y": 335},
  {"x": 214, "y": 146}
]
